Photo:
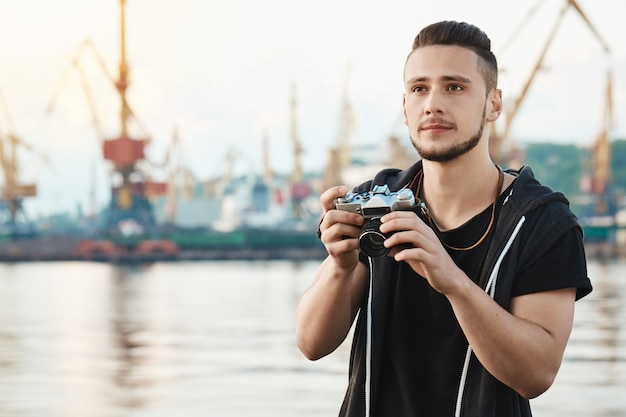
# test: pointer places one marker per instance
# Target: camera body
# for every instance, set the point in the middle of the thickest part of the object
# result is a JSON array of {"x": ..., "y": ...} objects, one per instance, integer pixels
[{"x": 372, "y": 205}]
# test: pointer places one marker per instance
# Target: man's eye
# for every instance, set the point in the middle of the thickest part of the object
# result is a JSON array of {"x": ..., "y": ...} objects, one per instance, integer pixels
[
  {"x": 455, "y": 87},
  {"x": 418, "y": 89}
]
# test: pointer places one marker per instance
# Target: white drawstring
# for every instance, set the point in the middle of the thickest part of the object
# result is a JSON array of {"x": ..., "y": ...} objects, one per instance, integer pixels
[{"x": 491, "y": 289}]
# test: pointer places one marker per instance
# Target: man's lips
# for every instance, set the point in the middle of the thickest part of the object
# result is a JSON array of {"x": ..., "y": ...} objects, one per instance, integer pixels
[{"x": 435, "y": 126}]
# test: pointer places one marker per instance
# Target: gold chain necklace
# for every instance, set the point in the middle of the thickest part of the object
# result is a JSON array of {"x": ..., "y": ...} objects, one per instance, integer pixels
[{"x": 420, "y": 202}]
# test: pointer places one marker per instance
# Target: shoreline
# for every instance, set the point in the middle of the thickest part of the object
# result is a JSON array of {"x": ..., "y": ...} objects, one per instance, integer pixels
[{"x": 59, "y": 249}]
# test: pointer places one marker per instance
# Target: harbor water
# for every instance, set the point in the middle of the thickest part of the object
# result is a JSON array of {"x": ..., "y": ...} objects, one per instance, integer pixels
[{"x": 80, "y": 339}]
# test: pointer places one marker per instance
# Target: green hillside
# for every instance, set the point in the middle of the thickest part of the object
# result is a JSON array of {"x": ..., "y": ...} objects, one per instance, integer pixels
[{"x": 561, "y": 166}]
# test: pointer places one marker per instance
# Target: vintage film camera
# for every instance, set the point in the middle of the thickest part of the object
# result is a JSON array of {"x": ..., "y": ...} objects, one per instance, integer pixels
[{"x": 372, "y": 205}]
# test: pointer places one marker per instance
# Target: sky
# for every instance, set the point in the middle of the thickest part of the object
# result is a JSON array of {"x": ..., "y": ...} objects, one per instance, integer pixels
[{"x": 221, "y": 75}]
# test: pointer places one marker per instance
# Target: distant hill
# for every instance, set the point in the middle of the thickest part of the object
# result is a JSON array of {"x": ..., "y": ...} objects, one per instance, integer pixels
[
  {"x": 561, "y": 166},
  {"x": 558, "y": 166}
]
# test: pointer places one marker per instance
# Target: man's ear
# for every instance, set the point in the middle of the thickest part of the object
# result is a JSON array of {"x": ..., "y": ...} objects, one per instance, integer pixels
[
  {"x": 495, "y": 105},
  {"x": 406, "y": 119}
]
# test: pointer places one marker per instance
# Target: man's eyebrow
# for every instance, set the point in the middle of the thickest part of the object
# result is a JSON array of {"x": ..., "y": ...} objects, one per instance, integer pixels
[
  {"x": 445, "y": 78},
  {"x": 458, "y": 78},
  {"x": 417, "y": 79}
]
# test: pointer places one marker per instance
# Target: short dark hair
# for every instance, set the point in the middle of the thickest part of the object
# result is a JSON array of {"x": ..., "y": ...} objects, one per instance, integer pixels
[{"x": 465, "y": 35}]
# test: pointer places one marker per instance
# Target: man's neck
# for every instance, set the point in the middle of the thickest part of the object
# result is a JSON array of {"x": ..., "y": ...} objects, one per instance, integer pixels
[{"x": 458, "y": 190}]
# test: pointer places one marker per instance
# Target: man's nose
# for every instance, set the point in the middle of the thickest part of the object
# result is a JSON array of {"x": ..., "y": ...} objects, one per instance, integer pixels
[{"x": 434, "y": 103}]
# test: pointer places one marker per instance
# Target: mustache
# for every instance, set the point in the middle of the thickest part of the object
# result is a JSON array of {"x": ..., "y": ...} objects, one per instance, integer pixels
[{"x": 436, "y": 122}]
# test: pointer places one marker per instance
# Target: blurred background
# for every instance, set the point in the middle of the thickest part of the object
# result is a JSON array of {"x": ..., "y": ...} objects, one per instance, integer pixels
[
  {"x": 120, "y": 117},
  {"x": 161, "y": 169}
]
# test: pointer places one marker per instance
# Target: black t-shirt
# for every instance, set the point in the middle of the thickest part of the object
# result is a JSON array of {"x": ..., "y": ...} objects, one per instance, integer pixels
[{"x": 424, "y": 347}]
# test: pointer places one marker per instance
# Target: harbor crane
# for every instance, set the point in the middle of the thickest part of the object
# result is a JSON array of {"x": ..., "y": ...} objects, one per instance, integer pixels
[
  {"x": 129, "y": 219},
  {"x": 502, "y": 145},
  {"x": 599, "y": 213},
  {"x": 339, "y": 156},
  {"x": 13, "y": 220},
  {"x": 345, "y": 165},
  {"x": 299, "y": 189},
  {"x": 601, "y": 147},
  {"x": 180, "y": 179}
]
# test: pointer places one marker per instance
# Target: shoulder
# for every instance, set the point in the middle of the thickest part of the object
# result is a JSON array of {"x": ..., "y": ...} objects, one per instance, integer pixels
[
  {"x": 528, "y": 193},
  {"x": 539, "y": 202},
  {"x": 546, "y": 214}
]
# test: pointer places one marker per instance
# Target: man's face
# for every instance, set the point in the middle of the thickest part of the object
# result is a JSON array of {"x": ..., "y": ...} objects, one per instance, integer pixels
[{"x": 445, "y": 103}]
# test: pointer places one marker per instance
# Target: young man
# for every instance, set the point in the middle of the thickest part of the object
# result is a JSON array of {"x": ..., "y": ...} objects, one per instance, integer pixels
[{"x": 471, "y": 310}]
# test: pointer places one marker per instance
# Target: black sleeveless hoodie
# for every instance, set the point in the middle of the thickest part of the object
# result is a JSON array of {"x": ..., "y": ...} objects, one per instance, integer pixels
[{"x": 479, "y": 393}]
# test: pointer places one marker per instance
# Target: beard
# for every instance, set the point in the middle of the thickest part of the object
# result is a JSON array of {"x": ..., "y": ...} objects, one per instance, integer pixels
[{"x": 455, "y": 150}]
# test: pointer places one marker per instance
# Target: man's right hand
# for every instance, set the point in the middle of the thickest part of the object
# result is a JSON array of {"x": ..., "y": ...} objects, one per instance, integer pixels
[{"x": 340, "y": 229}]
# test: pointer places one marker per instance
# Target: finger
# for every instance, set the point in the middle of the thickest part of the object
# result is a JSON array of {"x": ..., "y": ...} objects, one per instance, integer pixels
[
  {"x": 406, "y": 221},
  {"x": 340, "y": 225},
  {"x": 329, "y": 196},
  {"x": 337, "y": 225},
  {"x": 403, "y": 251},
  {"x": 342, "y": 247},
  {"x": 345, "y": 231},
  {"x": 399, "y": 214},
  {"x": 403, "y": 240},
  {"x": 412, "y": 255}
]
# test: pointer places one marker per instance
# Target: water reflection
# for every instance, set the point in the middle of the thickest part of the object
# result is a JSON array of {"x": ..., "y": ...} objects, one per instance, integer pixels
[
  {"x": 127, "y": 325},
  {"x": 217, "y": 338},
  {"x": 592, "y": 379}
]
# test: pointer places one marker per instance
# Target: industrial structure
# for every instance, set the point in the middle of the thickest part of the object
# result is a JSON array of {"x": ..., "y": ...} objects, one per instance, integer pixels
[
  {"x": 128, "y": 222},
  {"x": 600, "y": 205},
  {"x": 502, "y": 145},
  {"x": 350, "y": 163},
  {"x": 14, "y": 223},
  {"x": 258, "y": 215}
]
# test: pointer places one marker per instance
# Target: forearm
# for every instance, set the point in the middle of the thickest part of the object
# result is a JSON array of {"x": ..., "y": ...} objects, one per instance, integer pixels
[
  {"x": 522, "y": 353},
  {"x": 326, "y": 310}
]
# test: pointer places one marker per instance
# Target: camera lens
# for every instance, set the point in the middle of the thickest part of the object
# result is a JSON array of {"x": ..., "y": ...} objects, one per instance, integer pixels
[{"x": 372, "y": 240}]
